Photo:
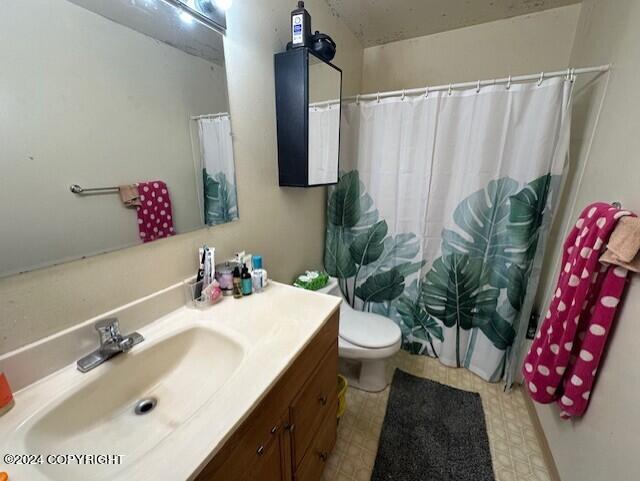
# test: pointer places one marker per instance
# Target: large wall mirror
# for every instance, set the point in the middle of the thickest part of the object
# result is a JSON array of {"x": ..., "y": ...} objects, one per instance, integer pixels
[{"x": 114, "y": 128}]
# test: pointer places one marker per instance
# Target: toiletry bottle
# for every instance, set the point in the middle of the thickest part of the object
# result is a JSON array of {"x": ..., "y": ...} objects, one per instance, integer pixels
[
  {"x": 6, "y": 396},
  {"x": 237, "y": 283},
  {"x": 224, "y": 275},
  {"x": 300, "y": 26},
  {"x": 246, "y": 281},
  {"x": 259, "y": 275}
]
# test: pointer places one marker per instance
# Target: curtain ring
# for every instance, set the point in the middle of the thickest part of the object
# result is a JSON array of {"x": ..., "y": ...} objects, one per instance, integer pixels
[
  {"x": 426, "y": 92},
  {"x": 478, "y": 87},
  {"x": 568, "y": 76},
  {"x": 378, "y": 97},
  {"x": 540, "y": 80},
  {"x": 509, "y": 82},
  {"x": 358, "y": 99},
  {"x": 450, "y": 89},
  {"x": 403, "y": 95},
  {"x": 573, "y": 75}
]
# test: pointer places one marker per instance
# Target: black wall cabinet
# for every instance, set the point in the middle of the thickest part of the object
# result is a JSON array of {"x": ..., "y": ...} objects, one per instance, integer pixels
[{"x": 308, "y": 93}]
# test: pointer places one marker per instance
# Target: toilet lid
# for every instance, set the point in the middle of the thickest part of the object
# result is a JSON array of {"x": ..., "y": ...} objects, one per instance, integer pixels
[{"x": 367, "y": 330}]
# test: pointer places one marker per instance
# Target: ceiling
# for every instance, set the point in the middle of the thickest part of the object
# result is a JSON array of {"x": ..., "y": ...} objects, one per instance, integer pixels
[{"x": 375, "y": 22}]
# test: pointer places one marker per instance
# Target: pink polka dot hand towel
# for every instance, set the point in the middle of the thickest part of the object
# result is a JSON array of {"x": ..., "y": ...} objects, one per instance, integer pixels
[
  {"x": 563, "y": 360},
  {"x": 155, "y": 218}
]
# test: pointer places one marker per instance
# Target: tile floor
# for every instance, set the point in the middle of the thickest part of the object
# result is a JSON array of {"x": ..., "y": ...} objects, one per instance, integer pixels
[{"x": 515, "y": 448}]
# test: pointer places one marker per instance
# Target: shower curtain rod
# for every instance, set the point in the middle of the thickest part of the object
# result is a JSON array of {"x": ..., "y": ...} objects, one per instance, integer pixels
[
  {"x": 568, "y": 74},
  {"x": 209, "y": 116}
]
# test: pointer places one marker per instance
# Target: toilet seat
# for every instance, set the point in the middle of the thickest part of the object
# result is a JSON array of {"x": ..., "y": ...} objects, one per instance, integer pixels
[
  {"x": 351, "y": 351},
  {"x": 367, "y": 331}
]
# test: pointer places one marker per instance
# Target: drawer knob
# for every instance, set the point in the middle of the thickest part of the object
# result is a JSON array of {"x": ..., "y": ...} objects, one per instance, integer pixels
[
  {"x": 323, "y": 400},
  {"x": 290, "y": 427},
  {"x": 274, "y": 429},
  {"x": 260, "y": 451},
  {"x": 323, "y": 456}
]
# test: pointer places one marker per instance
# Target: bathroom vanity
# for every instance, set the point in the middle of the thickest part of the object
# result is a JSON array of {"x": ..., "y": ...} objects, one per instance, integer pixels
[
  {"x": 244, "y": 390},
  {"x": 291, "y": 433}
]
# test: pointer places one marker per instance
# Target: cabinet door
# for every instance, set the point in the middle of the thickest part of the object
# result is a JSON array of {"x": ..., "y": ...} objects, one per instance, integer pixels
[
  {"x": 274, "y": 463},
  {"x": 314, "y": 403},
  {"x": 255, "y": 454},
  {"x": 315, "y": 460},
  {"x": 308, "y": 102}
]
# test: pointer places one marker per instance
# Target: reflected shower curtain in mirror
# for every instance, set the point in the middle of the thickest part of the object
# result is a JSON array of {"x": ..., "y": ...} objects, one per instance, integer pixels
[
  {"x": 218, "y": 170},
  {"x": 324, "y": 141},
  {"x": 440, "y": 215}
]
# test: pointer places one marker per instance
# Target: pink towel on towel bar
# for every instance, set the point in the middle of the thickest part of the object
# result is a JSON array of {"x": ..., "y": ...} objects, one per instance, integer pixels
[
  {"x": 155, "y": 219},
  {"x": 563, "y": 360}
]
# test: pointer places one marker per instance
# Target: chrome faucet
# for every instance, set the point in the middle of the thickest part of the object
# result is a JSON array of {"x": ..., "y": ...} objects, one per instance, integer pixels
[{"x": 111, "y": 344}]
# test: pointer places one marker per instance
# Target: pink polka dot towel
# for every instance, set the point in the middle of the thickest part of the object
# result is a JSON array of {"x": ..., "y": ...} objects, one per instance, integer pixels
[
  {"x": 563, "y": 360},
  {"x": 155, "y": 218}
]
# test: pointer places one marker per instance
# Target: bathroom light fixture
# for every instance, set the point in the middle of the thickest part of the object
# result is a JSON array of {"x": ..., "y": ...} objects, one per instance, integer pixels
[
  {"x": 186, "y": 17},
  {"x": 224, "y": 5},
  {"x": 208, "y": 12}
]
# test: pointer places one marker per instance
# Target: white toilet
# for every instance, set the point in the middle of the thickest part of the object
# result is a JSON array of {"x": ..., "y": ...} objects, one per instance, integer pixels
[{"x": 365, "y": 343}]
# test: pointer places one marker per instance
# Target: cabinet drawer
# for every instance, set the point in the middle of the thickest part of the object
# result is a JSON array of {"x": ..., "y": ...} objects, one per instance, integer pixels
[
  {"x": 314, "y": 402},
  {"x": 249, "y": 449},
  {"x": 315, "y": 459}
]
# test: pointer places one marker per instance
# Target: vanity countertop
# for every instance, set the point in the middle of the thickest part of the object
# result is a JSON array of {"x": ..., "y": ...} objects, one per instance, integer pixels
[{"x": 268, "y": 329}]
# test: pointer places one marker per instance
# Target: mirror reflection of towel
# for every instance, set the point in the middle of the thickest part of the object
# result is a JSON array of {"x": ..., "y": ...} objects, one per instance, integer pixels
[
  {"x": 129, "y": 195},
  {"x": 155, "y": 218}
]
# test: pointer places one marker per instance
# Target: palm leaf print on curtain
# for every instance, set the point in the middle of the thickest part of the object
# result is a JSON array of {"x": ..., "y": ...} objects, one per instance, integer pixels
[
  {"x": 220, "y": 205},
  {"x": 370, "y": 265},
  {"x": 477, "y": 285}
]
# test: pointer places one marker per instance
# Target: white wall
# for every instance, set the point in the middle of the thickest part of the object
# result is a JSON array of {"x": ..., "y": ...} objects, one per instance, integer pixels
[
  {"x": 519, "y": 45},
  {"x": 88, "y": 101},
  {"x": 603, "y": 445},
  {"x": 285, "y": 225}
]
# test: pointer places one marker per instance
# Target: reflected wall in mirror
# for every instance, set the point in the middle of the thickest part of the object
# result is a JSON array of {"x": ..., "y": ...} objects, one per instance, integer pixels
[
  {"x": 131, "y": 96},
  {"x": 325, "y": 83}
]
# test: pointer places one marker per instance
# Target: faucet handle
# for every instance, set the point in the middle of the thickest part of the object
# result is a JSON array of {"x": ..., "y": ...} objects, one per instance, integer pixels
[{"x": 108, "y": 329}]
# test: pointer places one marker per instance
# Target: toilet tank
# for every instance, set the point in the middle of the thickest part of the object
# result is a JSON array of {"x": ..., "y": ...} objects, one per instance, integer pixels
[{"x": 331, "y": 288}]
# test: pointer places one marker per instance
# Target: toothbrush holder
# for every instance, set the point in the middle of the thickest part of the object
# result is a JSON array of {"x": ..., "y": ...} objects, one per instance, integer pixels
[{"x": 194, "y": 295}]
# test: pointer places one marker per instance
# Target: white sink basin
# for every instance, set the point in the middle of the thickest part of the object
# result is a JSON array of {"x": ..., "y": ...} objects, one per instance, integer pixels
[
  {"x": 181, "y": 372},
  {"x": 206, "y": 368}
]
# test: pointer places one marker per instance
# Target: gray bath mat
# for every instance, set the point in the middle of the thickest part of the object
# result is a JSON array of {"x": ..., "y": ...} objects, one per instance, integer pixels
[{"x": 432, "y": 432}]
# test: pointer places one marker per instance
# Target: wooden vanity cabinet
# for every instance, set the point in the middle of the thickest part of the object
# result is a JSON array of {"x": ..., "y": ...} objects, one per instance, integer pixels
[{"x": 289, "y": 435}]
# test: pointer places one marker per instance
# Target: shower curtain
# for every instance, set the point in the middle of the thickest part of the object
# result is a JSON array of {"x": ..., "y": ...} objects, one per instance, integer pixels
[
  {"x": 218, "y": 170},
  {"x": 440, "y": 215}
]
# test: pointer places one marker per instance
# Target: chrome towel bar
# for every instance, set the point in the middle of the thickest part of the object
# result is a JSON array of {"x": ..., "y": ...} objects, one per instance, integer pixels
[{"x": 76, "y": 189}]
